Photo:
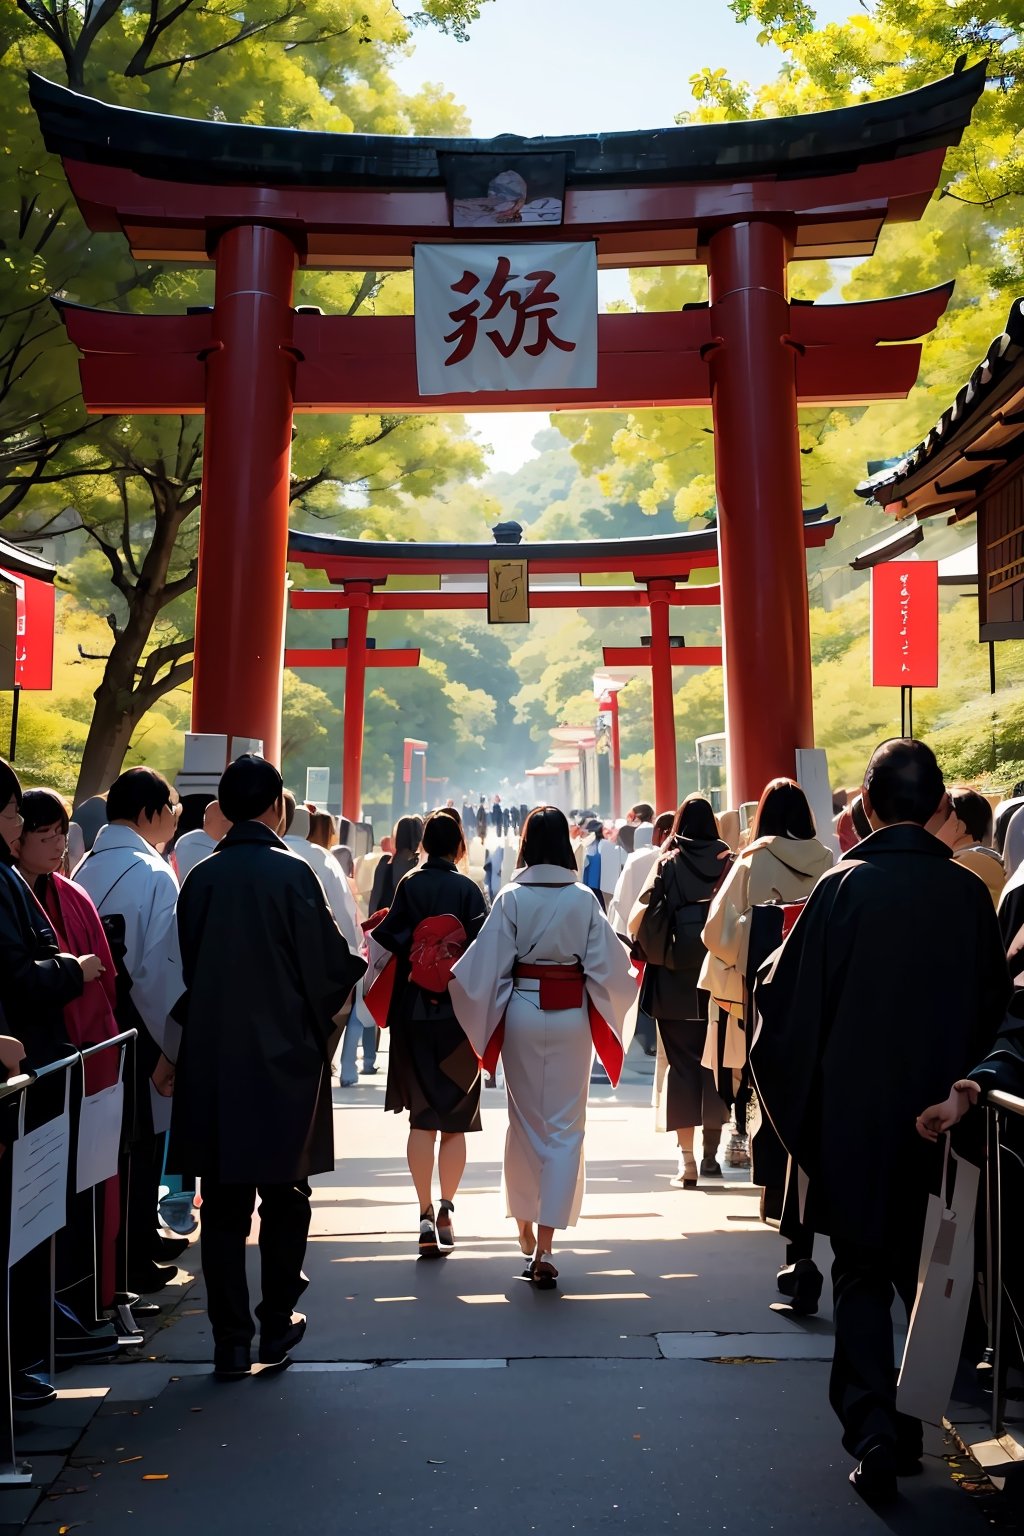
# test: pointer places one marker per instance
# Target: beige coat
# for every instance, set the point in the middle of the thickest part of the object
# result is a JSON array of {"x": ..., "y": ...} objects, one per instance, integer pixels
[
  {"x": 782, "y": 869},
  {"x": 987, "y": 865}
]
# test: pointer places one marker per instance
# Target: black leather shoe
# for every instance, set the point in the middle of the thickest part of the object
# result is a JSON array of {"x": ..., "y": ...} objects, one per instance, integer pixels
[
  {"x": 802, "y": 1283},
  {"x": 167, "y": 1249},
  {"x": 153, "y": 1278},
  {"x": 277, "y": 1351},
  {"x": 710, "y": 1168},
  {"x": 231, "y": 1362},
  {"x": 875, "y": 1475},
  {"x": 28, "y": 1392}
]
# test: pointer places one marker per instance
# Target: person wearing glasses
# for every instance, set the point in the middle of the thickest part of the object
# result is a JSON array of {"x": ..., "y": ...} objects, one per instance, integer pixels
[{"x": 135, "y": 892}]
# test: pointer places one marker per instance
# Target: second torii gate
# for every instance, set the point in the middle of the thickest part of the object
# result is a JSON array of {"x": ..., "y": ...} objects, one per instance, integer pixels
[{"x": 659, "y": 566}]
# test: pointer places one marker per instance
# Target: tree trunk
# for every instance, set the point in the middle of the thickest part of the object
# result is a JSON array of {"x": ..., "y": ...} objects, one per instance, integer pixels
[
  {"x": 110, "y": 734},
  {"x": 119, "y": 706}
]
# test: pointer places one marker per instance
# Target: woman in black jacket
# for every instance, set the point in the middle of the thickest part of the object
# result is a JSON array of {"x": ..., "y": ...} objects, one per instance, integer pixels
[
  {"x": 433, "y": 1071},
  {"x": 407, "y": 837},
  {"x": 36, "y": 981},
  {"x": 666, "y": 924}
]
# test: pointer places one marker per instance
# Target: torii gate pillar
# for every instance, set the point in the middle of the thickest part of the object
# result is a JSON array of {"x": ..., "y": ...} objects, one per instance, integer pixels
[
  {"x": 765, "y": 624},
  {"x": 241, "y": 600}
]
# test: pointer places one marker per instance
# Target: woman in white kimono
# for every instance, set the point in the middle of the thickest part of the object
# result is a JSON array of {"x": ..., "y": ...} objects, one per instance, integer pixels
[{"x": 545, "y": 981}]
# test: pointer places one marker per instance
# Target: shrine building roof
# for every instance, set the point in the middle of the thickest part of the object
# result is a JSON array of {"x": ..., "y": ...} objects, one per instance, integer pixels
[{"x": 978, "y": 435}]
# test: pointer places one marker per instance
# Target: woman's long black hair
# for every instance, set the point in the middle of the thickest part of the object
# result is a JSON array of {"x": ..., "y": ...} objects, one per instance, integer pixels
[{"x": 546, "y": 840}]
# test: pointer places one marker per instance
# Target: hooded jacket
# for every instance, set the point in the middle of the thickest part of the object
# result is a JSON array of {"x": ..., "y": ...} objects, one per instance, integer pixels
[{"x": 782, "y": 869}]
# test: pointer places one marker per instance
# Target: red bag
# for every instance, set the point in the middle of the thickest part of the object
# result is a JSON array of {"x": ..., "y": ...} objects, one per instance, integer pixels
[{"x": 437, "y": 942}]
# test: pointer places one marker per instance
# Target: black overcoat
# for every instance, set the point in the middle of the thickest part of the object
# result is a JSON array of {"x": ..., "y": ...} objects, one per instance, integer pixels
[
  {"x": 891, "y": 985},
  {"x": 265, "y": 970}
]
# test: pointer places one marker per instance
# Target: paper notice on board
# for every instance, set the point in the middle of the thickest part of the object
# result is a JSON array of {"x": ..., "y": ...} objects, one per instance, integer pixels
[
  {"x": 39, "y": 1185},
  {"x": 99, "y": 1136}
]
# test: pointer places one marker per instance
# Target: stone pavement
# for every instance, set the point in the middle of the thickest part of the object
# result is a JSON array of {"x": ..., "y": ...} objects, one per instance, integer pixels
[{"x": 654, "y": 1391}]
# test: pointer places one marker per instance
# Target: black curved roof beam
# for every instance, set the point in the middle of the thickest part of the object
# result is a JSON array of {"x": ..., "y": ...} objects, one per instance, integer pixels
[{"x": 198, "y": 151}]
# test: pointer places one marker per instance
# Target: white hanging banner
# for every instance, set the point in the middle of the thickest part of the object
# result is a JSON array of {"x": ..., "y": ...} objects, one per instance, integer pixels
[{"x": 493, "y": 318}]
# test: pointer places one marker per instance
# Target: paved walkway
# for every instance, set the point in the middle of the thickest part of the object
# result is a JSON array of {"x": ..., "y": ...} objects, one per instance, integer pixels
[{"x": 654, "y": 1392}]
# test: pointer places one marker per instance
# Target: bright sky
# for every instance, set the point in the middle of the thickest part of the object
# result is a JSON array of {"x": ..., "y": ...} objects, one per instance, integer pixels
[{"x": 585, "y": 66}]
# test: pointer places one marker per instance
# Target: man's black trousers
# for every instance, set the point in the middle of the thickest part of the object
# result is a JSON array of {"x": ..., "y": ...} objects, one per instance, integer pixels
[
  {"x": 284, "y": 1227},
  {"x": 862, "y": 1387}
]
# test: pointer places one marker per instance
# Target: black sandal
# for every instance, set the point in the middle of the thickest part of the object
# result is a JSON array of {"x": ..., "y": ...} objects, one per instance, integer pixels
[
  {"x": 428, "y": 1235},
  {"x": 543, "y": 1274},
  {"x": 445, "y": 1231}
]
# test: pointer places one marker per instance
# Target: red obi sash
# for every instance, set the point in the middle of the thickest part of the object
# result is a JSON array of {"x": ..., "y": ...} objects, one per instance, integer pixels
[{"x": 563, "y": 986}]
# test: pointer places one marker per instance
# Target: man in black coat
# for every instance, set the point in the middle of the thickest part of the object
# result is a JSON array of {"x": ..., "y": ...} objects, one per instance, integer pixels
[
  {"x": 892, "y": 983},
  {"x": 266, "y": 970}
]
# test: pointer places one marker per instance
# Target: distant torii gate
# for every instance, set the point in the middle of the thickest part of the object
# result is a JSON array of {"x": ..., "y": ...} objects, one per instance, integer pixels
[
  {"x": 742, "y": 198},
  {"x": 660, "y": 567}
]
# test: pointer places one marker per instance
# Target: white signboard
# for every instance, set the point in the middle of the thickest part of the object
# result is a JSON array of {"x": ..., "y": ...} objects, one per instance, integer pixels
[
  {"x": 39, "y": 1185},
  {"x": 99, "y": 1136},
  {"x": 318, "y": 787},
  {"x": 492, "y": 318}
]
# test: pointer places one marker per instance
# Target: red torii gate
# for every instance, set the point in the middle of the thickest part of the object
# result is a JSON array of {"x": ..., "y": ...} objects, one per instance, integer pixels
[
  {"x": 743, "y": 198},
  {"x": 660, "y": 567}
]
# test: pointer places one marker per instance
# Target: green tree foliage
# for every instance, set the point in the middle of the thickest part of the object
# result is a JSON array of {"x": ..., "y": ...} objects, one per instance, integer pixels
[
  {"x": 131, "y": 487},
  {"x": 973, "y": 231}
]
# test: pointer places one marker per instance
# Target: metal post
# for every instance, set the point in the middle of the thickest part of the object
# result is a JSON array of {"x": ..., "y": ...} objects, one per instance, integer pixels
[
  {"x": 243, "y": 539},
  {"x": 15, "y": 710},
  {"x": 991, "y": 666},
  {"x": 910, "y": 712},
  {"x": 13, "y": 1473},
  {"x": 765, "y": 624},
  {"x": 998, "y": 1355},
  {"x": 903, "y": 712}
]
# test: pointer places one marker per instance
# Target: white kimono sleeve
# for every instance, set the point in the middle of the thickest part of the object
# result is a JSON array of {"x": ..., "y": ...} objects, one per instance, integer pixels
[
  {"x": 481, "y": 986},
  {"x": 609, "y": 975}
]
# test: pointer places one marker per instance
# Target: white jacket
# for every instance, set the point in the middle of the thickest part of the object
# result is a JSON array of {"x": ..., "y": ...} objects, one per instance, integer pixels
[
  {"x": 336, "y": 888},
  {"x": 124, "y": 874}
]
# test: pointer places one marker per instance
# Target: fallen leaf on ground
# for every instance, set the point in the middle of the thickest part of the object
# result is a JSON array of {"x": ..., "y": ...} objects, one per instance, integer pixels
[{"x": 155, "y": 1477}]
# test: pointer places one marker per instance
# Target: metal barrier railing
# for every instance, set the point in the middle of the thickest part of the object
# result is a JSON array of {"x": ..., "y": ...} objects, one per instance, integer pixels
[
  {"x": 1003, "y": 1448},
  {"x": 80, "y": 1140}
]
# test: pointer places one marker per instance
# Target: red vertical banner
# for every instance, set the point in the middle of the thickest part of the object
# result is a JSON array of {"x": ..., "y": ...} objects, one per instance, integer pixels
[
  {"x": 36, "y": 616},
  {"x": 905, "y": 624}
]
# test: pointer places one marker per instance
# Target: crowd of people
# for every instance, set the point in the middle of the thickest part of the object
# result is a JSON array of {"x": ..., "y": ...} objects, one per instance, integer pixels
[{"x": 784, "y": 987}]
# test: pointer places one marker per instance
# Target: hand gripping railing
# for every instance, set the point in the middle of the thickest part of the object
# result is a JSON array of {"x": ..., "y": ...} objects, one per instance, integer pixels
[{"x": 1003, "y": 1449}]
